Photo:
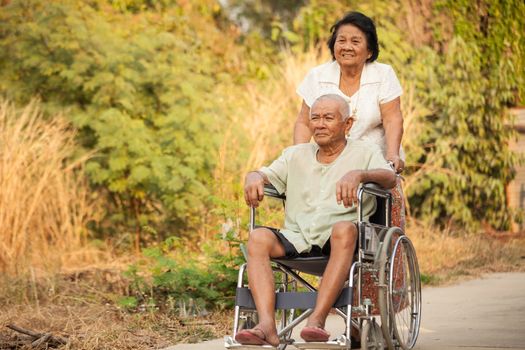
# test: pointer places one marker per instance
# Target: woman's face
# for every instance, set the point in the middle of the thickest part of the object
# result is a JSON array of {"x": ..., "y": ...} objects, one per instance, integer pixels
[{"x": 351, "y": 48}]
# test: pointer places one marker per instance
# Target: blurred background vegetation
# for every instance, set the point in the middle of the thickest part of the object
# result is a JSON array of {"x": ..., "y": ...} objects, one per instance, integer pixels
[{"x": 128, "y": 125}]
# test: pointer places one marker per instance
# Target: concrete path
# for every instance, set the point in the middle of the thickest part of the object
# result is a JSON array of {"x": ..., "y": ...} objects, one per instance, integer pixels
[{"x": 483, "y": 314}]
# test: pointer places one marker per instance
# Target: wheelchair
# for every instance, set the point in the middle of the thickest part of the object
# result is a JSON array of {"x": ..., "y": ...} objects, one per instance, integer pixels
[{"x": 380, "y": 302}]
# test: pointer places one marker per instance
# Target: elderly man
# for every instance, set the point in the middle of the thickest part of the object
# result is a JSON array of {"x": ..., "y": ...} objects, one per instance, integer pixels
[{"x": 321, "y": 182}]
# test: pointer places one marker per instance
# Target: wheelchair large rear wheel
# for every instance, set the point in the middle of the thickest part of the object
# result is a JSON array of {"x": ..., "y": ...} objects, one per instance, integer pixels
[
  {"x": 405, "y": 293},
  {"x": 382, "y": 262},
  {"x": 400, "y": 291}
]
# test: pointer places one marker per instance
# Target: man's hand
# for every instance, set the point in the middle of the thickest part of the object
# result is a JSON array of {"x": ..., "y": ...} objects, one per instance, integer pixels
[
  {"x": 254, "y": 188},
  {"x": 346, "y": 188}
]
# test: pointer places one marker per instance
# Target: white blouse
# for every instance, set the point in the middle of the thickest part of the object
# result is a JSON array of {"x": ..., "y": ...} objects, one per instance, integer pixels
[{"x": 379, "y": 85}]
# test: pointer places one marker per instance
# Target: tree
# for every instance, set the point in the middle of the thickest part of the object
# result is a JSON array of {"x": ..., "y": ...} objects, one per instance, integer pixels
[
  {"x": 141, "y": 88},
  {"x": 478, "y": 74}
]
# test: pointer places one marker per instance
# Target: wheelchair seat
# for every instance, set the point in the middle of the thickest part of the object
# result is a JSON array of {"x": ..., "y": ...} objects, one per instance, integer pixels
[{"x": 314, "y": 265}]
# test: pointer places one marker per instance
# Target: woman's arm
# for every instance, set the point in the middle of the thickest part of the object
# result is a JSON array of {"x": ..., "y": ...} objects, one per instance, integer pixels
[
  {"x": 301, "y": 131},
  {"x": 393, "y": 124}
]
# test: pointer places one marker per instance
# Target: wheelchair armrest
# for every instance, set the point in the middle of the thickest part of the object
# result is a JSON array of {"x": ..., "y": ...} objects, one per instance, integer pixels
[
  {"x": 375, "y": 189},
  {"x": 271, "y": 191}
]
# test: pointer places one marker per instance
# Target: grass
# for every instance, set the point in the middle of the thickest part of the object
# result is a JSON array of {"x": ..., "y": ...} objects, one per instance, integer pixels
[
  {"x": 446, "y": 257},
  {"x": 82, "y": 306},
  {"x": 45, "y": 199}
]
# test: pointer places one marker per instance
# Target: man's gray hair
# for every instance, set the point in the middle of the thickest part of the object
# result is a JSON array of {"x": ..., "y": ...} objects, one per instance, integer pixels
[{"x": 344, "y": 109}]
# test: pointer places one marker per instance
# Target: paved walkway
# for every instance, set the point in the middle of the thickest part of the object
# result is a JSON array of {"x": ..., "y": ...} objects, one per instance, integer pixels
[{"x": 483, "y": 314}]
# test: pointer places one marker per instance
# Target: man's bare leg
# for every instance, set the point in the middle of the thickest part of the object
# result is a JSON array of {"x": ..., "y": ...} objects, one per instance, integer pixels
[
  {"x": 342, "y": 244},
  {"x": 262, "y": 245}
]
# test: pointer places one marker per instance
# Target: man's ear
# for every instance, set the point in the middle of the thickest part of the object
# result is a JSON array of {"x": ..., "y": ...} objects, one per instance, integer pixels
[{"x": 348, "y": 125}]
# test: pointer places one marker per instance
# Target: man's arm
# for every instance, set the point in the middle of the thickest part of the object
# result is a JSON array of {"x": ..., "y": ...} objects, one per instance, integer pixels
[
  {"x": 346, "y": 188},
  {"x": 254, "y": 187}
]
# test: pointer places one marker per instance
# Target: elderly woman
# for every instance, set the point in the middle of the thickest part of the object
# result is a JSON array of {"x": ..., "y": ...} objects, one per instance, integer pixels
[{"x": 371, "y": 90}]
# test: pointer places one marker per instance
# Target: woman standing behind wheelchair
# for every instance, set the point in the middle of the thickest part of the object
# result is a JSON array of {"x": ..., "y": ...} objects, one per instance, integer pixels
[{"x": 371, "y": 89}]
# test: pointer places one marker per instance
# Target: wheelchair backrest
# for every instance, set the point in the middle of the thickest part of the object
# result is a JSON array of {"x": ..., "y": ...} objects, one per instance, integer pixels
[{"x": 379, "y": 217}]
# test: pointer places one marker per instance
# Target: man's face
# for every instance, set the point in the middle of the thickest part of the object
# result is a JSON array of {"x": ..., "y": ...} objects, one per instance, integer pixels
[{"x": 326, "y": 123}]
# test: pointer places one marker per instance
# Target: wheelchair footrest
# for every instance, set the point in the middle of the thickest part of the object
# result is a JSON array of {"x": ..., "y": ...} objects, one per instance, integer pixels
[
  {"x": 230, "y": 343},
  {"x": 340, "y": 343}
]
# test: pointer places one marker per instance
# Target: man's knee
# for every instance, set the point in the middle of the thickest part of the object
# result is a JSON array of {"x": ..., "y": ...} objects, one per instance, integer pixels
[
  {"x": 344, "y": 234},
  {"x": 261, "y": 240}
]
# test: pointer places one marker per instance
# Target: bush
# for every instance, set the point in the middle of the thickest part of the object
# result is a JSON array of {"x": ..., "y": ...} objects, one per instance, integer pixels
[{"x": 172, "y": 279}]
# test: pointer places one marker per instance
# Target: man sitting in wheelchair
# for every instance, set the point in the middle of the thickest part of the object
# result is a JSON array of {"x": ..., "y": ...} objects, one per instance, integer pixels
[{"x": 321, "y": 182}]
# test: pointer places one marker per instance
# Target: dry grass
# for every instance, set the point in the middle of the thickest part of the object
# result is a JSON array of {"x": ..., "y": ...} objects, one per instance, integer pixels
[
  {"x": 45, "y": 198},
  {"x": 446, "y": 257},
  {"x": 81, "y": 308}
]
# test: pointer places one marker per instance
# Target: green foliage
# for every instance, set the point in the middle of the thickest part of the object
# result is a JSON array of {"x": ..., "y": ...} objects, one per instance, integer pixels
[
  {"x": 473, "y": 82},
  {"x": 140, "y": 87},
  {"x": 171, "y": 279}
]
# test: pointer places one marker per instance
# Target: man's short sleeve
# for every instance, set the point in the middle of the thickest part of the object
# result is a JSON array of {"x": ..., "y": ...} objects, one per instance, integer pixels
[
  {"x": 390, "y": 87},
  {"x": 277, "y": 172},
  {"x": 308, "y": 89}
]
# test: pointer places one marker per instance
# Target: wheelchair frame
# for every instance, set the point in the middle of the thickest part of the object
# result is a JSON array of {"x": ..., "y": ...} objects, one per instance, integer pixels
[{"x": 378, "y": 246}]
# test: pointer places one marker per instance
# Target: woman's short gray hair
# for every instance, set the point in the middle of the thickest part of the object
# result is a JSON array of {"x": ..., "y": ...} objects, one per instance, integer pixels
[{"x": 344, "y": 109}]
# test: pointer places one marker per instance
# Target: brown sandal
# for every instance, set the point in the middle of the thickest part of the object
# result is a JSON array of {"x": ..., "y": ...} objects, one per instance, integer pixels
[
  {"x": 314, "y": 334},
  {"x": 248, "y": 337}
]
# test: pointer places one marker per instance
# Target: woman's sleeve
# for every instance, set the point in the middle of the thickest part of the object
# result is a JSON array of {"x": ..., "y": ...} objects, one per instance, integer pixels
[
  {"x": 308, "y": 89},
  {"x": 390, "y": 87}
]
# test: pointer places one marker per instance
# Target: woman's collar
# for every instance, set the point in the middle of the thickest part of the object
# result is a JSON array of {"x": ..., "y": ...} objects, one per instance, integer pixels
[{"x": 331, "y": 72}]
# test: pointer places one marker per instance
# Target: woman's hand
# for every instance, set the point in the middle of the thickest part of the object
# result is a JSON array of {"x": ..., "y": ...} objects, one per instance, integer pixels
[
  {"x": 346, "y": 188},
  {"x": 398, "y": 163}
]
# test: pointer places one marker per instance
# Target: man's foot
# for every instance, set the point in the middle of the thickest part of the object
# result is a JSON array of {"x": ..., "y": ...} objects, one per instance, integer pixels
[
  {"x": 256, "y": 336},
  {"x": 314, "y": 334}
]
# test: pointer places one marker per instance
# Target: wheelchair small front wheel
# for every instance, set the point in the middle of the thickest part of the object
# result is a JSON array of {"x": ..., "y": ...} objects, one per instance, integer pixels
[
  {"x": 372, "y": 336},
  {"x": 247, "y": 320}
]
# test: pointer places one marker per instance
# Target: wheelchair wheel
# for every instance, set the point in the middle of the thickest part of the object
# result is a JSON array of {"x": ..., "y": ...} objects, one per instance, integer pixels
[
  {"x": 383, "y": 283},
  {"x": 284, "y": 317},
  {"x": 372, "y": 336},
  {"x": 400, "y": 291},
  {"x": 405, "y": 293},
  {"x": 247, "y": 320}
]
